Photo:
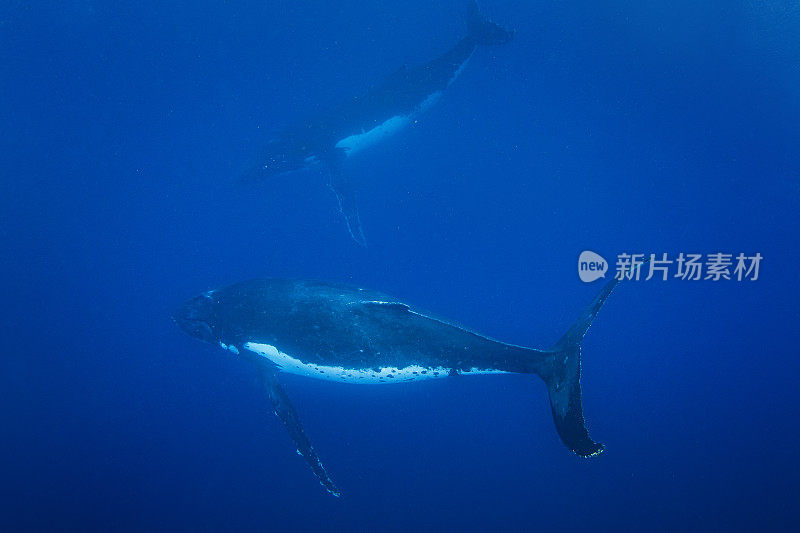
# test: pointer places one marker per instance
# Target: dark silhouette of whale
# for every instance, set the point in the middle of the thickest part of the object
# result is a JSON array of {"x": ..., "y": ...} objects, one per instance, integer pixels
[
  {"x": 326, "y": 140},
  {"x": 335, "y": 332}
]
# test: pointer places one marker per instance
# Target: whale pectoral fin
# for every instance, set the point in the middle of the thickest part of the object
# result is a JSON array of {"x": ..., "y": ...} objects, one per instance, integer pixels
[
  {"x": 349, "y": 210},
  {"x": 285, "y": 411},
  {"x": 345, "y": 193}
]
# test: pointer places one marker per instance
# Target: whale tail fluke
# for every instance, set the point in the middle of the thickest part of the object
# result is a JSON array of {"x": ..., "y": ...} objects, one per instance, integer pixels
[
  {"x": 482, "y": 30},
  {"x": 563, "y": 378}
]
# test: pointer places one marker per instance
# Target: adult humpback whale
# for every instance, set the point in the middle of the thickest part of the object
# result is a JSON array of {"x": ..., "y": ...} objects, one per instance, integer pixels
[
  {"x": 328, "y": 139},
  {"x": 339, "y": 333}
]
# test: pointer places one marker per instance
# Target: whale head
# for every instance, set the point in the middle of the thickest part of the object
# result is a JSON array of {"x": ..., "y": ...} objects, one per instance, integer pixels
[{"x": 197, "y": 318}]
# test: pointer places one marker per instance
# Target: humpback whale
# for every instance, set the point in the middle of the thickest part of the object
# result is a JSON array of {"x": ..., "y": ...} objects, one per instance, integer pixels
[
  {"x": 339, "y": 333},
  {"x": 327, "y": 140}
]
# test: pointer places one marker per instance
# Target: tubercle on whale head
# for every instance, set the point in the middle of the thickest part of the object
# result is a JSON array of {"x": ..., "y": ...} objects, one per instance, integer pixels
[{"x": 196, "y": 318}]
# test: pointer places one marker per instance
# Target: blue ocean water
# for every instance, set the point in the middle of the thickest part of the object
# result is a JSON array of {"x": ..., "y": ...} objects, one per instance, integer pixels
[{"x": 615, "y": 127}]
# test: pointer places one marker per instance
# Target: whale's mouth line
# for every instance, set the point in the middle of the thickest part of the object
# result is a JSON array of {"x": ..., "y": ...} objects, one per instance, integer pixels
[{"x": 195, "y": 327}]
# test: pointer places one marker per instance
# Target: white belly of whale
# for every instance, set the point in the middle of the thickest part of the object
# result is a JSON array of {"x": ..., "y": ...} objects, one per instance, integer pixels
[
  {"x": 356, "y": 143},
  {"x": 292, "y": 365}
]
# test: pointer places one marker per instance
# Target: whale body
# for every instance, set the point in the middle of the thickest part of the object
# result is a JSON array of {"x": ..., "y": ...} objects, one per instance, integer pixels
[{"x": 336, "y": 332}]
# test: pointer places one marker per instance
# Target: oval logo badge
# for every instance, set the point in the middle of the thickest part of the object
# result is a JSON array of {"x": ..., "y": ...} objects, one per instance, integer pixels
[{"x": 591, "y": 266}]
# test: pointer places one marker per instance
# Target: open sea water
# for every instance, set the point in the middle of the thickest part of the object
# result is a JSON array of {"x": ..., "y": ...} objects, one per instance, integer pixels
[{"x": 619, "y": 127}]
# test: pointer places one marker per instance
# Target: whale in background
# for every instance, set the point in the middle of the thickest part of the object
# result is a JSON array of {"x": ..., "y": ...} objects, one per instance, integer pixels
[{"x": 328, "y": 139}]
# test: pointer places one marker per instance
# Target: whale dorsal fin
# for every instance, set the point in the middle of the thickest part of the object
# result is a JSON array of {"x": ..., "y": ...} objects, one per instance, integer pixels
[{"x": 387, "y": 306}]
